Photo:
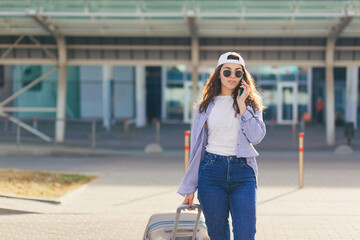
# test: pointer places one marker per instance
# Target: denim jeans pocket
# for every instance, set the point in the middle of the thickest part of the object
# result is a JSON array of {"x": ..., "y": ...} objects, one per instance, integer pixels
[
  {"x": 207, "y": 163},
  {"x": 247, "y": 165}
]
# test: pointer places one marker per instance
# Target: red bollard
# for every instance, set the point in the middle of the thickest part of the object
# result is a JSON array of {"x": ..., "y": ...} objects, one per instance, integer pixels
[
  {"x": 6, "y": 124},
  {"x": 187, "y": 149},
  {"x": 125, "y": 121},
  {"x": 35, "y": 123},
  {"x": 301, "y": 160},
  {"x": 272, "y": 123}
]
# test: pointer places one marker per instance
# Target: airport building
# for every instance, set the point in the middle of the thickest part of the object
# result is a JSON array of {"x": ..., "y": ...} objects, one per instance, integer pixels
[{"x": 150, "y": 59}]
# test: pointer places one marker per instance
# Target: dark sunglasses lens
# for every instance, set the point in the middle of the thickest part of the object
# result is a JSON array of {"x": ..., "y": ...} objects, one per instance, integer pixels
[
  {"x": 226, "y": 73},
  {"x": 239, "y": 74}
]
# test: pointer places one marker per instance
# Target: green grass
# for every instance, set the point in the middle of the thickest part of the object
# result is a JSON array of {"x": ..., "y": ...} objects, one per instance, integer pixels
[{"x": 40, "y": 184}]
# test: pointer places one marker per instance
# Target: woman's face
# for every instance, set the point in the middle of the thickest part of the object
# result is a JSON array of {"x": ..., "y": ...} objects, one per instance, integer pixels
[{"x": 230, "y": 82}]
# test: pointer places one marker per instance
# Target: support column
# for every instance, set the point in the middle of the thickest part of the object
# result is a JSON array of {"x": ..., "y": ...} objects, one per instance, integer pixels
[
  {"x": 329, "y": 73},
  {"x": 351, "y": 95},
  {"x": 191, "y": 20},
  {"x": 107, "y": 73},
  {"x": 195, "y": 73},
  {"x": 140, "y": 96},
  {"x": 330, "y": 99},
  {"x": 61, "y": 90}
]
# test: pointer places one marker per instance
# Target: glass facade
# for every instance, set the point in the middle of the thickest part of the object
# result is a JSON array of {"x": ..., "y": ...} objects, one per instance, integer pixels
[
  {"x": 44, "y": 93},
  {"x": 303, "y": 100},
  {"x": 120, "y": 92},
  {"x": 269, "y": 93},
  {"x": 174, "y": 96},
  {"x": 284, "y": 90},
  {"x": 318, "y": 88},
  {"x": 288, "y": 91},
  {"x": 286, "y": 102},
  {"x": 29, "y": 74},
  {"x": 84, "y": 91},
  {"x": 178, "y": 91},
  {"x": 174, "y": 92},
  {"x": 288, "y": 73},
  {"x": 340, "y": 94}
]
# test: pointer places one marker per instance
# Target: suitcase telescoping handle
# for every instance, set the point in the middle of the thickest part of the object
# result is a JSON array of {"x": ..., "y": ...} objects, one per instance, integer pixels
[{"x": 176, "y": 223}]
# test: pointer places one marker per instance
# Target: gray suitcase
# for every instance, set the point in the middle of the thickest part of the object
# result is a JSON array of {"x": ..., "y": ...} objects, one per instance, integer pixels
[{"x": 185, "y": 226}]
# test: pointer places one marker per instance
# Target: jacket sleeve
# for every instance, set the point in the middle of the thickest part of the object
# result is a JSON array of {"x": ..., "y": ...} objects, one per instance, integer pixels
[
  {"x": 189, "y": 182},
  {"x": 193, "y": 132},
  {"x": 252, "y": 125}
]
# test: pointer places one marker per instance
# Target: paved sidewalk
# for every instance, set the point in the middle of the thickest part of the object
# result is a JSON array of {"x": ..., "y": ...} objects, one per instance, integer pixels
[{"x": 133, "y": 186}]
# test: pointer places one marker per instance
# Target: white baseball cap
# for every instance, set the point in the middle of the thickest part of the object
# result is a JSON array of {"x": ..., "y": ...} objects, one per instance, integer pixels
[{"x": 224, "y": 59}]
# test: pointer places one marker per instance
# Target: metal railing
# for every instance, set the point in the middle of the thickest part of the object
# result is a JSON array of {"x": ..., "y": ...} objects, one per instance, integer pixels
[{"x": 78, "y": 131}]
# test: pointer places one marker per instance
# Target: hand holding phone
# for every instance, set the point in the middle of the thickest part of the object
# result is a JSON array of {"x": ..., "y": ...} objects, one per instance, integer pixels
[{"x": 241, "y": 89}]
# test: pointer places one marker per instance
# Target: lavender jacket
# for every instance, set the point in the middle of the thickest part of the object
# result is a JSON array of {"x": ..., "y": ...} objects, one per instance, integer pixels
[{"x": 252, "y": 131}]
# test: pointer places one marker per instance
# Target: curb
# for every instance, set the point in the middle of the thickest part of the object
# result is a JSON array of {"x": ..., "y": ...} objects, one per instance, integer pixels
[
  {"x": 50, "y": 201},
  {"x": 7, "y": 211},
  {"x": 36, "y": 150}
]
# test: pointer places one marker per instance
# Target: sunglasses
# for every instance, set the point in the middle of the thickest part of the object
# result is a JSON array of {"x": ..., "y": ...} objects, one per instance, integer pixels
[{"x": 238, "y": 73}]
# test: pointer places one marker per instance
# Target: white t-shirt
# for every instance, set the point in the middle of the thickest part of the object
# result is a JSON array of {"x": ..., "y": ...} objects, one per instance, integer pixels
[{"x": 223, "y": 127}]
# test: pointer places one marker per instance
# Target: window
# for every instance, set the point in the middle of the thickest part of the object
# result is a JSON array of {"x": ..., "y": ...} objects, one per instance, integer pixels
[
  {"x": 288, "y": 73},
  {"x": 303, "y": 74},
  {"x": 302, "y": 100},
  {"x": 175, "y": 74},
  {"x": 269, "y": 94},
  {"x": 174, "y": 92},
  {"x": 29, "y": 74}
]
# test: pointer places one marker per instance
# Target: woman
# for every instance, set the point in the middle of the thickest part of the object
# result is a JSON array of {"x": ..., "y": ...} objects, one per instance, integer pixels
[{"x": 228, "y": 122}]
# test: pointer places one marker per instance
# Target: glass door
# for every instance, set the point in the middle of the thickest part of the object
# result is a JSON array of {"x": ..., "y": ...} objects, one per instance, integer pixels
[{"x": 287, "y": 111}]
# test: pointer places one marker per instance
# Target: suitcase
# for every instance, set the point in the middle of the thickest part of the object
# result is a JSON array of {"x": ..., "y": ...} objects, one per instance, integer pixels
[{"x": 165, "y": 226}]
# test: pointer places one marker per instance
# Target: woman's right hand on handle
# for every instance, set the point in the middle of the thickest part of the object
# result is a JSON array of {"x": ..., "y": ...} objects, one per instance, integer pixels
[{"x": 189, "y": 199}]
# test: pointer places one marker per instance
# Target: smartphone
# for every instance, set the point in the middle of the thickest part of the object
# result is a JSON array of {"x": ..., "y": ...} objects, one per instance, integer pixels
[
  {"x": 241, "y": 91},
  {"x": 238, "y": 87}
]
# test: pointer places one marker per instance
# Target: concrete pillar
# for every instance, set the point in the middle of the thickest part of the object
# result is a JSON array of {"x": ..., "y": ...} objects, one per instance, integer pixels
[
  {"x": 330, "y": 98},
  {"x": 140, "y": 96},
  {"x": 107, "y": 76},
  {"x": 195, "y": 73},
  {"x": 61, "y": 91},
  {"x": 163, "y": 90},
  {"x": 351, "y": 95}
]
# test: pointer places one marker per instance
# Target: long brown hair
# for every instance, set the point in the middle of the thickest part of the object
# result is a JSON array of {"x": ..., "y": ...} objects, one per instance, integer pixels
[{"x": 212, "y": 88}]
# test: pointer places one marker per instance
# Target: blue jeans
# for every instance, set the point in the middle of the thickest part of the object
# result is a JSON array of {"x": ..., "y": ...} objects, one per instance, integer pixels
[{"x": 227, "y": 183}]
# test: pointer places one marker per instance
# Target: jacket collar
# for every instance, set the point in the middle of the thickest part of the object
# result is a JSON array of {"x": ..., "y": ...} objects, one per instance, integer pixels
[{"x": 209, "y": 108}]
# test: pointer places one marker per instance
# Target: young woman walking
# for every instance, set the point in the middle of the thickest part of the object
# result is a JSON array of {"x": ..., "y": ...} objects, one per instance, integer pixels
[{"x": 227, "y": 123}]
